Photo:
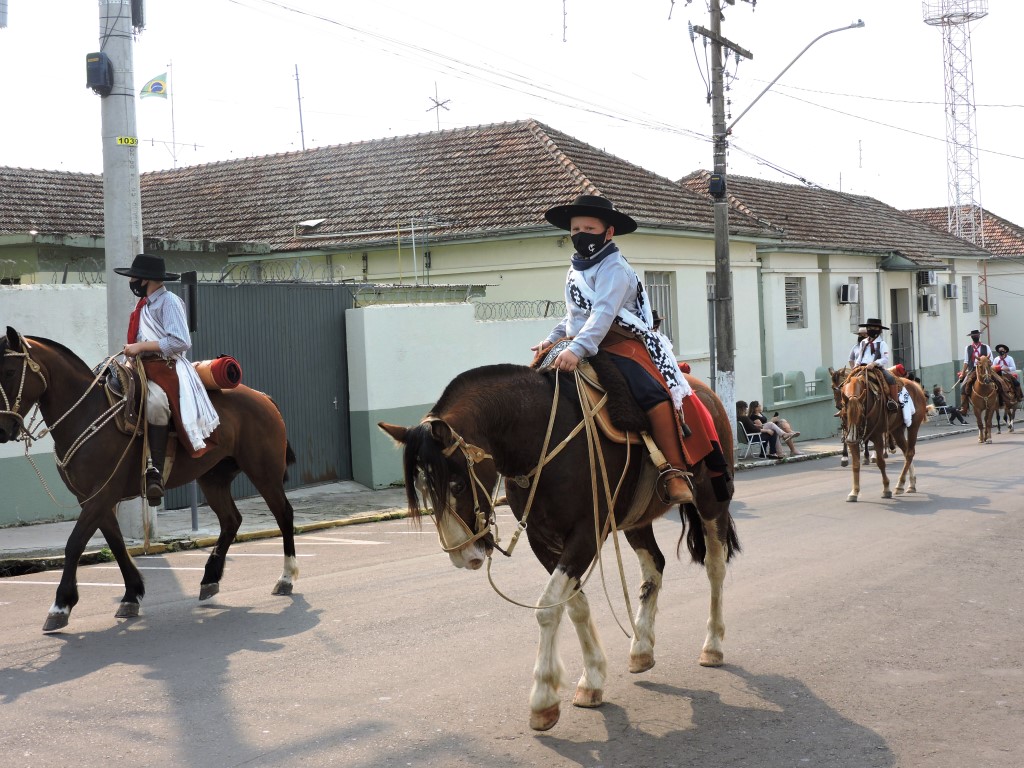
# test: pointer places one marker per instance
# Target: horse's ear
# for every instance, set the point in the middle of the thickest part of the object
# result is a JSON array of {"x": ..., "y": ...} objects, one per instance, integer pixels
[
  {"x": 13, "y": 340},
  {"x": 397, "y": 433},
  {"x": 441, "y": 432},
  {"x": 830, "y": 371}
]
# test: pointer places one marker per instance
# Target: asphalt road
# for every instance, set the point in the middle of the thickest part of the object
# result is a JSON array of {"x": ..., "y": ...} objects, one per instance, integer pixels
[{"x": 883, "y": 633}]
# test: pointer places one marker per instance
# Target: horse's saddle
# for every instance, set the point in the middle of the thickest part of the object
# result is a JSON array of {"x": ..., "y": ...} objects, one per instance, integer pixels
[{"x": 122, "y": 385}]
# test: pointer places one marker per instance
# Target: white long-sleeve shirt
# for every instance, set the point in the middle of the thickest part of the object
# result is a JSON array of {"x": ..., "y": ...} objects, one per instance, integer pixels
[
  {"x": 1006, "y": 362},
  {"x": 870, "y": 351}
]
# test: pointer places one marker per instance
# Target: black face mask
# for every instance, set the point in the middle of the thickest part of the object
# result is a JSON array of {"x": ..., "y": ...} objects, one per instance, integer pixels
[
  {"x": 975, "y": 339},
  {"x": 874, "y": 333},
  {"x": 137, "y": 288},
  {"x": 588, "y": 243}
]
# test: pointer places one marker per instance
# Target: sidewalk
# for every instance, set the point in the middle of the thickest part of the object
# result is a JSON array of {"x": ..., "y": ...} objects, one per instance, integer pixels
[{"x": 30, "y": 548}]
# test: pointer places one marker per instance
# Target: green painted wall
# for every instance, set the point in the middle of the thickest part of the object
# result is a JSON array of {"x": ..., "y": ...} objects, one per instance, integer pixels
[{"x": 25, "y": 499}]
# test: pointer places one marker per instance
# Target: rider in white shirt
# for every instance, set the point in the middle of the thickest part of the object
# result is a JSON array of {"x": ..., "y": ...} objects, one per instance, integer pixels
[
  {"x": 872, "y": 350},
  {"x": 1004, "y": 363}
]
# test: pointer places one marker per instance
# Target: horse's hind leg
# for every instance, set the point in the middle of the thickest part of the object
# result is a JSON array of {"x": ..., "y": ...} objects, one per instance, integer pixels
[
  {"x": 134, "y": 587},
  {"x": 716, "y": 532},
  {"x": 216, "y": 486},
  {"x": 273, "y": 493},
  {"x": 652, "y": 566}
]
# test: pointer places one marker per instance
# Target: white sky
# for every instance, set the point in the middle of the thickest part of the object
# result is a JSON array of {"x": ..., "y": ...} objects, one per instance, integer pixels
[{"x": 861, "y": 111}]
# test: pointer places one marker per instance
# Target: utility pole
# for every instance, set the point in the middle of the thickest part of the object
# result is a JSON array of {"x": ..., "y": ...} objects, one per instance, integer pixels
[
  {"x": 724, "y": 330},
  {"x": 122, "y": 203}
]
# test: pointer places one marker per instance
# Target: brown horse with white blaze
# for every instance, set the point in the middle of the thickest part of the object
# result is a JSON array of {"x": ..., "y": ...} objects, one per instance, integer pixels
[
  {"x": 984, "y": 397},
  {"x": 519, "y": 423},
  {"x": 867, "y": 420},
  {"x": 101, "y": 465}
]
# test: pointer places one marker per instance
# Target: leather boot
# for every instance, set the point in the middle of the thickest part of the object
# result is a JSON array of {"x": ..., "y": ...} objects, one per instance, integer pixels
[
  {"x": 157, "y": 434},
  {"x": 666, "y": 437}
]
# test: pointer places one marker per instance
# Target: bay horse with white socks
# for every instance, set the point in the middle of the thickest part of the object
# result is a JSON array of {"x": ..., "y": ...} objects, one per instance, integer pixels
[
  {"x": 102, "y": 466},
  {"x": 984, "y": 397},
  {"x": 522, "y": 424},
  {"x": 867, "y": 419}
]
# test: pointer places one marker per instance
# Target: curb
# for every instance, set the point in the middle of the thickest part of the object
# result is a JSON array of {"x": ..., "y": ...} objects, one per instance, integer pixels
[{"x": 19, "y": 566}]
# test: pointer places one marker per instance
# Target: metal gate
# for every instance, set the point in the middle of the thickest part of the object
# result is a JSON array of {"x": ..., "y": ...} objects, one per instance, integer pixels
[
  {"x": 903, "y": 345},
  {"x": 290, "y": 341}
]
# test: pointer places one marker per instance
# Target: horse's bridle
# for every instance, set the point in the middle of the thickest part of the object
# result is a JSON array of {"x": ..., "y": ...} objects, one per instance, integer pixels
[
  {"x": 27, "y": 364},
  {"x": 484, "y": 522}
]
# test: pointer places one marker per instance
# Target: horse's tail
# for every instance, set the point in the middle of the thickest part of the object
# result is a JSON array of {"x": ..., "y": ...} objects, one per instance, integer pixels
[
  {"x": 693, "y": 532},
  {"x": 289, "y": 454}
]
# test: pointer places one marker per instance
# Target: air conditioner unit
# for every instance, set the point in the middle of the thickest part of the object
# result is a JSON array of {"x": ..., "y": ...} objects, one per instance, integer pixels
[
  {"x": 931, "y": 277},
  {"x": 928, "y": 305},
  {"x": 949, "y": 290},
  {"x": 988, "y": 310},
  {"x": 849, "y": 293}
]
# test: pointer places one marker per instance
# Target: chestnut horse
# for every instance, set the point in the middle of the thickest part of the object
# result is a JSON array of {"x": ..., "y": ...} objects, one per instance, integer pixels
[
  {"x": 868, "y": 420},
  {"x": 510, "y": 420},
  {"x": 984, "y": 397},
  {"x": 102, "y": 467}
]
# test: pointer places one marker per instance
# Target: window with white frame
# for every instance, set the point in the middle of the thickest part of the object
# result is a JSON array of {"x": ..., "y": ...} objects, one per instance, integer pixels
[
  {"x": 967, "y": 294},
  {"x": 659, "y": 291},
  {"x": 796, "y": 302}
]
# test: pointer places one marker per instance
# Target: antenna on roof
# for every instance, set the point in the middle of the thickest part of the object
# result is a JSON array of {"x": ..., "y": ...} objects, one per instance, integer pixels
[{"x": 438, "y": 106}]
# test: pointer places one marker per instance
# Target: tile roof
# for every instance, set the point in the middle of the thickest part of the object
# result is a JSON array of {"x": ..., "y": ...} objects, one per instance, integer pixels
[
  {"x": 469, "y": 182},
  {"x": 814, "y": 218},
  {"x": 1003, "y": 238},
  {"x": 51, "y": 202}
]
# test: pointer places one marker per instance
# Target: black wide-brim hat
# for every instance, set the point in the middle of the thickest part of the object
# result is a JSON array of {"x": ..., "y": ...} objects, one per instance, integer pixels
[
  {"x": 975, "y": 332},
  {"x": 874, "y": 322},
  {"x": 1000, "y": 347},
  {"x": 591, "y": 205},
  {"x": 147, "y": 267}
]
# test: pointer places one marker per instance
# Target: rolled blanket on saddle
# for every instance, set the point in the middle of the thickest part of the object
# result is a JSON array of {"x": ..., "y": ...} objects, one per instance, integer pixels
[{"x": 223, "y": 372}]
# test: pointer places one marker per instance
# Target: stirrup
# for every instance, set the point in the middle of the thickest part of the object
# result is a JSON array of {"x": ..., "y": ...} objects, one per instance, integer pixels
[
  {"x": 686, "y": 497},
  {"x": 892, "y": 405}
]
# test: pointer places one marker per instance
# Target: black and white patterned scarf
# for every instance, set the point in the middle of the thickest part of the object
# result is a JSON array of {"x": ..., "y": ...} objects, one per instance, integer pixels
[{"x": 658, "y": 345}]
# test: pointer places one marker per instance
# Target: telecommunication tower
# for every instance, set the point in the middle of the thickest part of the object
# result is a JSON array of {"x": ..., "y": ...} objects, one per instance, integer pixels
[{"x": 963, "y": 197}]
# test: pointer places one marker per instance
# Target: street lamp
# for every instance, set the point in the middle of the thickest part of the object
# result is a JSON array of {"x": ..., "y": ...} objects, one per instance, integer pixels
[{"x": 724, "y": 330}]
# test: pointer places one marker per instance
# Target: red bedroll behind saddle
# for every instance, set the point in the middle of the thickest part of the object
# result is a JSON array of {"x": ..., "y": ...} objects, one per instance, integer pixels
[{"x": 224, "y": 372}]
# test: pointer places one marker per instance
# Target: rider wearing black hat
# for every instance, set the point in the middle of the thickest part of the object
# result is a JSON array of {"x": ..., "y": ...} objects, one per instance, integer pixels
[
  {"x": 972, "y": 352},
  {"x": 1003, "y": 364},
  {"x": 158, "y": 336},
  {"x": 872, "y": 350},
  {"x": 605, "y": 298}
]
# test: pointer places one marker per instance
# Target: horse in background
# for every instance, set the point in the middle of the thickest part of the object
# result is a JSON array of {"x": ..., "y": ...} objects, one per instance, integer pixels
[
  {"x": 868, "y": 420},
  {"x": 984, "y": 397},
  {"x": 102, "y": 465},
  {"x": 517, "y": 422}
]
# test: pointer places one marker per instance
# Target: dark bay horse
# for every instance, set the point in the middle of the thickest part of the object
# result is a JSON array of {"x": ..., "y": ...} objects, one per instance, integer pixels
[
  {"x": 502, "y": 419},
  {"x": 868, "y": 420},
  {"x": 103, "y": 466}
]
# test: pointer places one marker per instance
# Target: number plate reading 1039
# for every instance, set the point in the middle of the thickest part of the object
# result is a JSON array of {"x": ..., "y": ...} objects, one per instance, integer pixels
[{"x": 127, "y": 141}]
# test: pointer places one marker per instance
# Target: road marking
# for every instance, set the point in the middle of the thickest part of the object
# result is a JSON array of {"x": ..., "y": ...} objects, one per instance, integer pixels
[
  {"x": 241, "y": 554},
  {"x": 153, "y": 568},
  {"x": 55, "y": 583},
  {"x": 320, "y": 540}
]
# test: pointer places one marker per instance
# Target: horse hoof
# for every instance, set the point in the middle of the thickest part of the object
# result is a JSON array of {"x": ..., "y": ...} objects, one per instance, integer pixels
[
  {"x": 886, "y": 494},
  {"x": 852, "y": 497},
  {"x": 899, "y": 491},
  {"x": 55, "y": 621},
  {"x": 712, "y": 658},
  {"x": 283, "y": 588},
  {"x": 545, "y": 719},
  {"x": 206, "y": 591},
  {"x": 588, "y": 698},
  {"x": 844, "y": 462},
  {"x": 127, "y": 611},
  {"x": 641, "y": 663}
]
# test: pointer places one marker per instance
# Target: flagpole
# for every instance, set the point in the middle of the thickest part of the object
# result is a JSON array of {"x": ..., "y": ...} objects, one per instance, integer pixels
[{"x": 174, "y": 140}]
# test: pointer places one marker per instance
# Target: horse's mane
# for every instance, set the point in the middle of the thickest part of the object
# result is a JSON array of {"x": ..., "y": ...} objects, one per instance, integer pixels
[
  {"x": 479, "y": 380},
  {"x": 73, "y": 359}
]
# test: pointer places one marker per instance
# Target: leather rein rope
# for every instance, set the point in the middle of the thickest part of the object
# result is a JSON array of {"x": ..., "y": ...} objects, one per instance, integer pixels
[{"x": 485, "y": 523}]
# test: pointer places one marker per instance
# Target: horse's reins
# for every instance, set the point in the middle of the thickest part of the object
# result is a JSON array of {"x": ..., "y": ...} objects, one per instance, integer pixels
[
  {"x": 27, "y": 433},
  {"x": 473, "y": 455}
]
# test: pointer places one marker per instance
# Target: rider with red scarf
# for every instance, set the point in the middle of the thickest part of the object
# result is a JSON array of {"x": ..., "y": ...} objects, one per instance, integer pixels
[{"x": 972, "y": 352}]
